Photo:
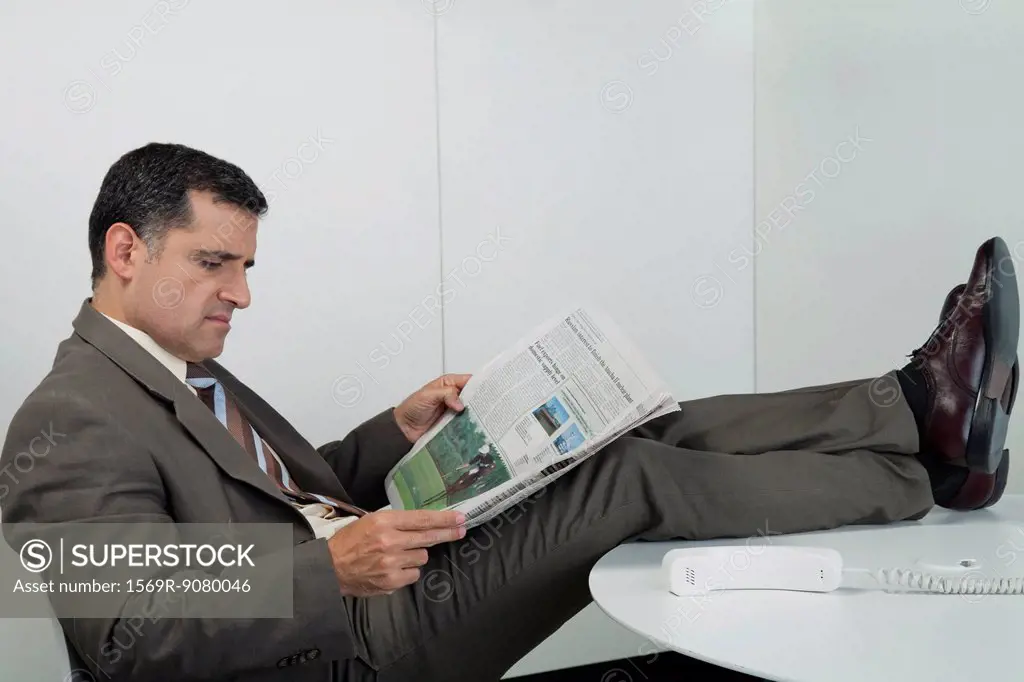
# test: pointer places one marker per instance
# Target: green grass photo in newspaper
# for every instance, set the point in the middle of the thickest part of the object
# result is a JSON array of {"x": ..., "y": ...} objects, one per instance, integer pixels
[
  {"x": 455, "y": 465},
  {"x": 417, "y": 480}
]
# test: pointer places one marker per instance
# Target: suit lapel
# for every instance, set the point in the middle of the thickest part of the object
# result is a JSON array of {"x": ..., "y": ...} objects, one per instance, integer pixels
[
  {"x": 220, "y": 445},
  {"x": 307, "y": 467},
  {"x": 193, "y": 415}
]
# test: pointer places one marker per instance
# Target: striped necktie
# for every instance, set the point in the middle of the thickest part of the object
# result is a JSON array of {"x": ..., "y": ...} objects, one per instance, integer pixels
[{"x": 225, "y": 406}]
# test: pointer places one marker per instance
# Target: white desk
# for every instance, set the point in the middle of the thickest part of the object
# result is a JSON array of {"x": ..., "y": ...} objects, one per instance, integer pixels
[{"x": 847, "y": 635}]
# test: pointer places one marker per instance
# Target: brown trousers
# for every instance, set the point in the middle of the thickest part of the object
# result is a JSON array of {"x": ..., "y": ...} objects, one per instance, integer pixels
[{"x": 813, "y": 458}]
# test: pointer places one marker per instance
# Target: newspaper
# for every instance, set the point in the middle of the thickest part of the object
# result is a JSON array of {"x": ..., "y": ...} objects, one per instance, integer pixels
[{"x": 567, "y": 389}]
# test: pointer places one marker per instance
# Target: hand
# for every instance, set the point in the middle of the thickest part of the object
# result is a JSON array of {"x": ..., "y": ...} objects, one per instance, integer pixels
[
  {"x": 382, "y": 551},
  {"x": 422, "y": 409}
]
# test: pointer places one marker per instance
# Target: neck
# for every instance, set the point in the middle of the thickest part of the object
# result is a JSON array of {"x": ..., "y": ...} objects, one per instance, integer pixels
[{"x": 104, "y": 302}]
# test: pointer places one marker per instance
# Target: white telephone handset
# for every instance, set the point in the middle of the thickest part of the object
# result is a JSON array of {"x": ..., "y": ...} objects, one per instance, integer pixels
[{"x": 699, "y": 570}]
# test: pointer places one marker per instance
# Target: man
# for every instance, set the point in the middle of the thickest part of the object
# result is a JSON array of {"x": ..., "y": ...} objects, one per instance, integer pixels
[{"x": 158, "y": 430}]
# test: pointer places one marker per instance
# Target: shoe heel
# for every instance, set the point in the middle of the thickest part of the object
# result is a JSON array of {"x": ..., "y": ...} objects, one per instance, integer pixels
[
  {"x": 998, "y": 379},
  {"x": 999, "y": 481},
  {"x": 985, "y": 444}
]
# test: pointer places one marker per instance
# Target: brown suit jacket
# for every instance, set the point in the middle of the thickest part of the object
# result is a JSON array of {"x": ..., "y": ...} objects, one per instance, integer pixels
[{"x": 139, "y": 446}]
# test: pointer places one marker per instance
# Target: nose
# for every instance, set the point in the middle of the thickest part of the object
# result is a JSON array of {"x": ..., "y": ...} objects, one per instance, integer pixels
[{"x": 237, "y": 293}]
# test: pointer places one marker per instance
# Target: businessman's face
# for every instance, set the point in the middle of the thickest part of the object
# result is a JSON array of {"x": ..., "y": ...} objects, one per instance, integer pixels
[{"x": 185, "y": 298}]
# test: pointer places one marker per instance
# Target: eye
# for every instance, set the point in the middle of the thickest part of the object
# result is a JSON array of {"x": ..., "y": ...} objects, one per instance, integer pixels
[{"x": 209, "y": 264}]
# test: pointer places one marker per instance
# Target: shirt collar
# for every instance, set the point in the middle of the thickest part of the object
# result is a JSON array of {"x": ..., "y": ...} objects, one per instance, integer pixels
[{"x": 174, "y": 364}]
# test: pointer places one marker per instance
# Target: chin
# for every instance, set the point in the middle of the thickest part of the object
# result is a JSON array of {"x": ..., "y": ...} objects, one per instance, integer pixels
[{"x": 211, "y": 350}]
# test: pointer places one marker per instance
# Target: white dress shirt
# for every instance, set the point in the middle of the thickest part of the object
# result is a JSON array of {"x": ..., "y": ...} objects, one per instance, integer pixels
[{"x": 322, "y": 518}]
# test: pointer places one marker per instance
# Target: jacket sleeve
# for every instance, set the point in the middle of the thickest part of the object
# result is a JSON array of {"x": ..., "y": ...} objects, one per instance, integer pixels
[
  {"x": 364, "y": 457},
  {"x": 93, "y": 471}
]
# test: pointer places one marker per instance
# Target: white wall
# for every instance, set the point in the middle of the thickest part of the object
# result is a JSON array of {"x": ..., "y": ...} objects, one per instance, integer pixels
[
  {"x": 853, "y": 282},
  {"x": 617, "y": 206}
]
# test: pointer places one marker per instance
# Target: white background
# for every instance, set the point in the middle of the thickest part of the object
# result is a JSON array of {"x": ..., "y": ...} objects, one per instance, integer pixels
[{"x": 523, "y": 155}]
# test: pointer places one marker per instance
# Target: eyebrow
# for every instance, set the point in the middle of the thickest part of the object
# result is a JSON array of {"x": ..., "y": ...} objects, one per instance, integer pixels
[{"x": 222, "y": 255}]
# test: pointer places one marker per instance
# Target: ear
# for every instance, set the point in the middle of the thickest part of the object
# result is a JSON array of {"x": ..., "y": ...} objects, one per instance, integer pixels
[{"x": 123, "y": 250}]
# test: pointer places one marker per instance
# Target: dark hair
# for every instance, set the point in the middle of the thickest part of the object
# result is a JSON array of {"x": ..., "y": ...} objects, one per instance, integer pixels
[{"x": 148, "y": 188}]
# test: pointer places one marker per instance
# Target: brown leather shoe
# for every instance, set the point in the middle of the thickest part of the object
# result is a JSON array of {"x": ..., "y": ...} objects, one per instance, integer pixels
[
  {"x": 967, "y": 365},
  {"x": 975, "y": 489}
]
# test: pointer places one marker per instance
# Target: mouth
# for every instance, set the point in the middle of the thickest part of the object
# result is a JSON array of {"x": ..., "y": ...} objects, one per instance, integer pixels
[{"x": 220, "y": 319}]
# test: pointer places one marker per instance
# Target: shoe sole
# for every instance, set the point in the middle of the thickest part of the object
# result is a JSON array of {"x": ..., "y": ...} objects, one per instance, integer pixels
[
  {"x": 1003, "y": 472},
  {"x": 1001, "y": 327}
]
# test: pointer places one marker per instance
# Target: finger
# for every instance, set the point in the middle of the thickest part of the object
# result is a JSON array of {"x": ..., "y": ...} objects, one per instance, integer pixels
[
  {"x": 395, "y": 580},
  {"x": 407, "y": 576},
  {"x": 398, "y": 558},
  {"x": 414, "y": 558},
  {"x": 426, "y": 519},
  {"x": 416, "y": 539},
  {"x": 444, "y": 395}
]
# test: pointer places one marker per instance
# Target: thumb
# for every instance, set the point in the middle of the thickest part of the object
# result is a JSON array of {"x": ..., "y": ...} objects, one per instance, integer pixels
[
  {"x": 452, "y": 400},
  {"x": 442, "y": 395}
]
